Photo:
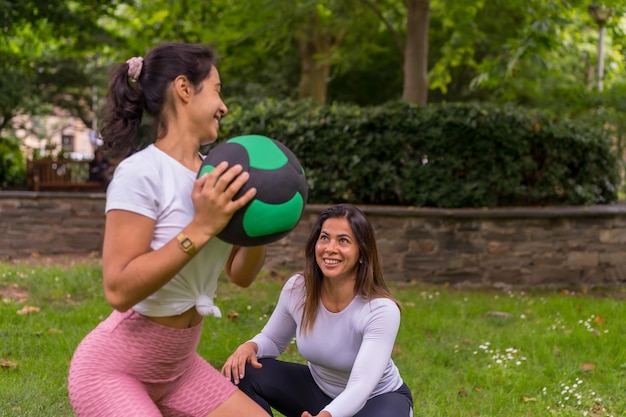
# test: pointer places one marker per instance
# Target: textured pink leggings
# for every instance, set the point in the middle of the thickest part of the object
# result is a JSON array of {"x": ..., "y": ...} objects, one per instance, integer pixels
[{"x": 131, "y": 366}]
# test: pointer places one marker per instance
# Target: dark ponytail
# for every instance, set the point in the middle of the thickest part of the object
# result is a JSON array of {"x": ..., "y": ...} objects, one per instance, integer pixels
[
  {"x": 123, "y": 114},
  {"x": 127, "y": 101}
]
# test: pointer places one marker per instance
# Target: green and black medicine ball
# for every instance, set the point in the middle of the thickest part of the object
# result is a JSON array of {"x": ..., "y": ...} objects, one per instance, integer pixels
[{"x": 281, "y": 187}]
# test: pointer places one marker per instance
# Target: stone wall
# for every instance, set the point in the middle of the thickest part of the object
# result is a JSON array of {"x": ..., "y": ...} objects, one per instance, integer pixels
[
  {"x": 50, "y": 223},
  {"x": 517, "y": 247}
]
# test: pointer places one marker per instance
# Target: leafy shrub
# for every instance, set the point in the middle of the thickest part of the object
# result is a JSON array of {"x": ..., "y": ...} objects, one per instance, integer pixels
[
  {"x": 12, "y": 164},
  {"x": 448, "y": 155}
]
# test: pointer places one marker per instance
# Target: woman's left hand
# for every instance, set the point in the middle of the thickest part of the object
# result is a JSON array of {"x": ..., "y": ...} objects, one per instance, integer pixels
[{"x": 235, "y": 366}]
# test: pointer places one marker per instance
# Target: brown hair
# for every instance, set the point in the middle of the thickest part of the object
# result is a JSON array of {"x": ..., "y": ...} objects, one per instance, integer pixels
[
  {"x": 127, "y": 101},
  {"x": 370, "y": 282}
]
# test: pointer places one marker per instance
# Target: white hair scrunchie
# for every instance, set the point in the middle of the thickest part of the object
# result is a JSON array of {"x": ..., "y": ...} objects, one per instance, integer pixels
[{"x": 135, "y": 64}]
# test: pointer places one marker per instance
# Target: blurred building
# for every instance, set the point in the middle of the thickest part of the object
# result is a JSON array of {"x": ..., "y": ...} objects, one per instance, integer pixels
[{"x": 58, "y": 134}]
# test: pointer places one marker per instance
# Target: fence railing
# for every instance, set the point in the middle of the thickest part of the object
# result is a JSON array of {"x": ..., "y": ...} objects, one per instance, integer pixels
[{"x": 60, "y": 175}]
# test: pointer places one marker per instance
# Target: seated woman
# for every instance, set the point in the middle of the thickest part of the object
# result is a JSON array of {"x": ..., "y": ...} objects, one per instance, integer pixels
[{"x": 345, "y": 322}]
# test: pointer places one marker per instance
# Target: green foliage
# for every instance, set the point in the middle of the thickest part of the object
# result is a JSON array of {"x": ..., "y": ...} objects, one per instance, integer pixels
[
  {"x": 605, "y": 110},
  {"x": 498, "y": 49},
  {"x": 12, "y": 164},
  {"x": 449, "y": 155},
  {"x": 48, "y": 53},
  {"x": 515, "y": 51}
]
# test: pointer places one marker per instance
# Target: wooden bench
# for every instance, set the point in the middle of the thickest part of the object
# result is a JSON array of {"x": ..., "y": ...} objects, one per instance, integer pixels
[{"x": 60, "y": 175}]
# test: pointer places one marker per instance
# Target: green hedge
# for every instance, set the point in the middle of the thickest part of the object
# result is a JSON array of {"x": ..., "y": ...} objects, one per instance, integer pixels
[
  {"x": 12, "y": 164},
  {"x": 451, "y": 155}
]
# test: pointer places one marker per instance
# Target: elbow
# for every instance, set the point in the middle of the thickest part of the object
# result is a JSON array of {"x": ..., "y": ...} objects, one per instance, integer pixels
[
  {"x": 115, "y": 300},
  {"x": 120, "y": 309},
  {"x": 116, "y": 292},
  {"x": 117, "y": 304},
  {"x": 242, "y": 284},
  {"x": 243, "y": 281}
]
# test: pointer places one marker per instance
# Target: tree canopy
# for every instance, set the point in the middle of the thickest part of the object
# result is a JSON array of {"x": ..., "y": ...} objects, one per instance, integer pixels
[{"x": 531, "y": 52}]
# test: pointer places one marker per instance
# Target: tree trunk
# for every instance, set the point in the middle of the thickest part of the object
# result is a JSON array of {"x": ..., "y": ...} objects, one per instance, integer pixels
[
  {"x": 316, "y": 45},
  {"x": 415, "y": 88},
  {"x": 313, "y": 73}
]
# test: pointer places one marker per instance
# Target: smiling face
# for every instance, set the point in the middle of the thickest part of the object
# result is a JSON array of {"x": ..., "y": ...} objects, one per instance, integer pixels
[
  {"x": 208, "y": 108},
  {"x": 336, "y": 250}
]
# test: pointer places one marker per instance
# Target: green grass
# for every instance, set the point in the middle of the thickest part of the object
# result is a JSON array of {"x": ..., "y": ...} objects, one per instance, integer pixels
[{"x": 463, "y": 353}]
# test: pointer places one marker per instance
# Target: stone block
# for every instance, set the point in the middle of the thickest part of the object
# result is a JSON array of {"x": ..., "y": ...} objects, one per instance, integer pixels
[
  {"x": 552, "y": 276},
  {"x": 423, "y": 246},
  {"x": 615, "y": 275},
  {"x": 613, "y": 258},
  {"x": 582, "y": 259},
  {"x": 495, "y": 247},
  {"x": 613, "y": 236},
  {"x": 506, "y": 260},
  {"x": 509, "y": 277},
  {"x": 461, "y": 277}
]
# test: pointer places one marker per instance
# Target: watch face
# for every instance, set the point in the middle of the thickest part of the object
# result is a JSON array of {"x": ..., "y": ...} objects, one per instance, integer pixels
[{"x": 186, "y": 243}]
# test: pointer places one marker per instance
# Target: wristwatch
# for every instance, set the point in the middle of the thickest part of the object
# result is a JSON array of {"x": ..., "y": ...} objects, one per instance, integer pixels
[{"x": 186, "y": 244}]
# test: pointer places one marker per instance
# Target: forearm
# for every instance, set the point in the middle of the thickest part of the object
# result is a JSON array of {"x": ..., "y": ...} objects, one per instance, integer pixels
[
  {"x": 244, "y": 264},
  {"x": 131, "y": 270},
  {"x": 145, "y": 274}
]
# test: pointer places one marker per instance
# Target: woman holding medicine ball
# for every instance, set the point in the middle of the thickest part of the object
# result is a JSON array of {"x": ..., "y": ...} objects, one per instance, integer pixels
[{"x": 161, "y": 259}]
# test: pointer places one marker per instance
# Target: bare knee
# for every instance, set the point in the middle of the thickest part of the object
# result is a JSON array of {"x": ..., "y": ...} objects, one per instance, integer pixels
[{"x": 237, "y": 405}]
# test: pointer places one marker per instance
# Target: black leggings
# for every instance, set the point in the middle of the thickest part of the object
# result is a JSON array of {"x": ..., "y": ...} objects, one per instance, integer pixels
[{"x": 289, "y": 388}]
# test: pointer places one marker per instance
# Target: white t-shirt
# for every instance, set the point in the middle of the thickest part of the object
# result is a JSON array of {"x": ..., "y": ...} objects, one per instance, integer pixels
[
  {"x": 155, "y": 185},
  {"x": 348, "y": 353}
]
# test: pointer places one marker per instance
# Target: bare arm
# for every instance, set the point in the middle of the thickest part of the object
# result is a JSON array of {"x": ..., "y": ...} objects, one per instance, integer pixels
[
  {"x": 131, "y": 271},
  {"x": 244, "y": 264}
]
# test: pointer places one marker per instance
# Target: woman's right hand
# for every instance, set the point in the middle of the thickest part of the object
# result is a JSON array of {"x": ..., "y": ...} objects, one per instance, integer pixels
[
  {"x": 213, "y": 194},
  {"x": 235, "y": 366}
]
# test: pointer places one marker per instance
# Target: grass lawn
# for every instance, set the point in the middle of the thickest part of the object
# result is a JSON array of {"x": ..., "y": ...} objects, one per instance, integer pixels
[{"x": 463, "y": 353}]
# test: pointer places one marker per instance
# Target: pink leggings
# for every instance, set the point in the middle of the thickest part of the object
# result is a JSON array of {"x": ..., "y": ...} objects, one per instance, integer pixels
[{"x": 132, "y": 366}]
